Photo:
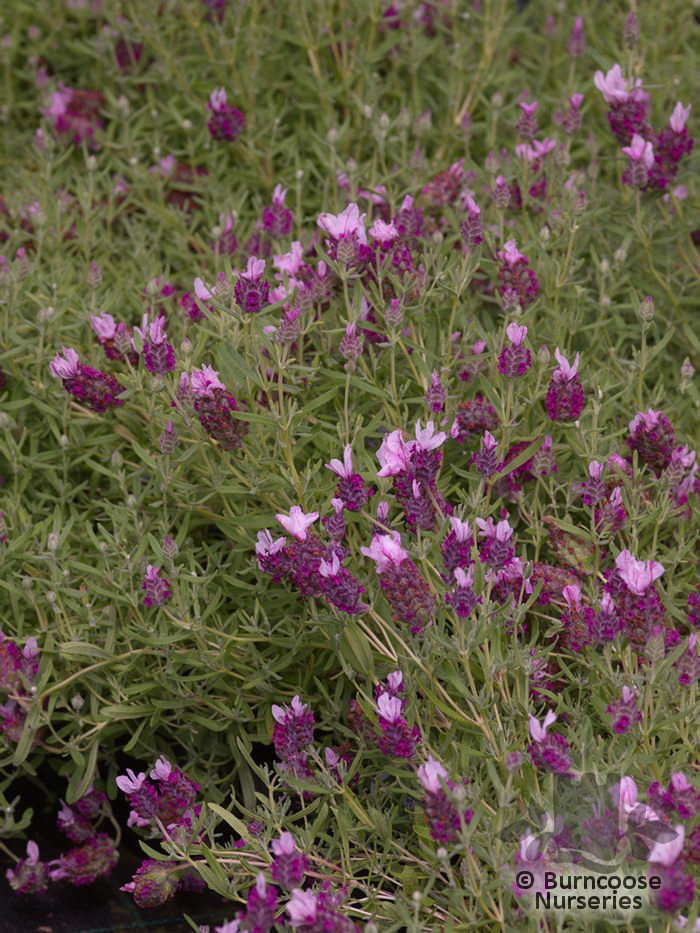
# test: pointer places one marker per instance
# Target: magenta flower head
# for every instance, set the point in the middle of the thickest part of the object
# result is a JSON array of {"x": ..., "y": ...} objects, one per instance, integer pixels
[
  {"x": 515, "y": 360},
  {"x": 414, "y": 465},
  {"x": 439, "y": 807},
  {"x": 640, "y": 153},
  {"x": 549, "y": 750},
  {"x": 624, "y": 712},
  {"x": 628, "y": 106},
  {"x": 297, "y": 523},
  {"x": 252, "y": 291},
  {"x": 29, "y": 874},
  {"x": 527, "y": 124},
  {"x": 93, "y": 388},
  {"x": 157, "y": 588},
  {"x": 294, "y": 729},
  {"x": 572, "y": 120},
  {"x": 158, "y": 354},
  {"x": 515, "y": 277},
  {"x": 653, "y": 437},
  {"x": 576, "y": 44},
  {"x": 347, "y": 234},
  {"x": 74, "y": 115},
  {"x": 261, "y": 906},
  {"x": 638, "y": 575},
  {"x": 352, "y": 489},
  {"x": 398, "y": 738},
  {"x": 226, "y": 123},
  {"x": 408, "y": 594},
  {"x": 565, "y": 399},
  {"x": 82, "y": 865},
  {"x": 436, "y": 395},
  {"x": 485, "y": 461},
  {"x": 667, "y": 862},
  {"x": 472, "y": 229},
  {"x": 463, "y": 598},
  {"x": 214, "y": 404},
  {"x": 289, "y": 864},
  {"x": 277, "y": 219},
  {"x": 496, "y": 550},
  {"x": 155, "y": 882}
]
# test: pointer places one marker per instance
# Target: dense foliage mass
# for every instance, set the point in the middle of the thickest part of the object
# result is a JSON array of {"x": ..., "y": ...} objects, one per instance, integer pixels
[{"x": 349, "y": 502}]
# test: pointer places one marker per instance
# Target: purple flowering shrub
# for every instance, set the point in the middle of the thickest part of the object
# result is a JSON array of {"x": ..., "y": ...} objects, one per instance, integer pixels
[{"x": 348, "y": 457}]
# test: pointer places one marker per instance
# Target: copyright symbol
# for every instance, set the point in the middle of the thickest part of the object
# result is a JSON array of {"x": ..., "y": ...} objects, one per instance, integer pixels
[{"x": 524, "y": 880}]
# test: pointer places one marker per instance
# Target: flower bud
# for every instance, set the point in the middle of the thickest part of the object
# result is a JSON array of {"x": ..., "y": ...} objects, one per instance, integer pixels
[{"x": 646, "y": 310}]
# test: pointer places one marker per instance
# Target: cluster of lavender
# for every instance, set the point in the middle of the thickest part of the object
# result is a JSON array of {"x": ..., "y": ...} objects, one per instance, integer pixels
[
  {"x": 293, "y": 733},
  {"x": 406, "y": 590},
  {"x": 549, "y": 750},
  {"x": 214, "y": 404},
  {"x": 313, "y": 567},
  {"x": 74, "y": 116},
  {"x": 18, "y": 670},
  {"x": 307, "y": 910},
  {"x": 443, "y": 803},
  {"x": 518, "y": 284},
  {"x": 94, "y": 855},
  {"x": 628, "y": 604},
  {"x": 649, "y": 833},
  {"x": 292, "y": 736},
  {"x": 653, "y": 156},
  {"x": 414, "y": 466},
  {"x": 157, "y": 588},
  {"x": 98, "y": 390},
  {"x": 166, "y": 804},
  {"x": 225, "y": 123},
  {"x": 386, "y": 258},
  {"x": 398, "y": 738}
]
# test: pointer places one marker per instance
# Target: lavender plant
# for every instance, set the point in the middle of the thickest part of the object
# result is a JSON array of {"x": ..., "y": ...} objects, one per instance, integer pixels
[{"x": 349, "y": 495}]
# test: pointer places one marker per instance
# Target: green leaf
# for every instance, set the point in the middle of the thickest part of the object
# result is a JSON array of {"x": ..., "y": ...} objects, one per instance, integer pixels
[
  {"x": 355, "y": 647},
  {"x": 236, "y": 825}
]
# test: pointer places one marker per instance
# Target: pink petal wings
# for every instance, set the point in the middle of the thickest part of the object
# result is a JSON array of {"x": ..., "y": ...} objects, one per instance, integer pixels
[{"x": 297, "y": 523}]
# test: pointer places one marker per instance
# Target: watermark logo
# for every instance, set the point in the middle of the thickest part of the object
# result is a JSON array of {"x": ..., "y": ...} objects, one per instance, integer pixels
[
  {"x": 586, "y": 847},
  {"x": 589, "y": 894}
]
